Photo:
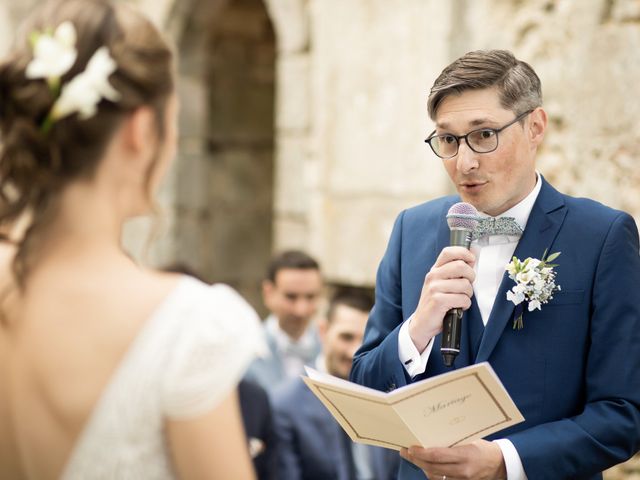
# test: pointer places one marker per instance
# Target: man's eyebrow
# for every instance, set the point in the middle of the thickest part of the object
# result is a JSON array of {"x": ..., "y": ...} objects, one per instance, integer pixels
[{"x": 473, "y": 123}]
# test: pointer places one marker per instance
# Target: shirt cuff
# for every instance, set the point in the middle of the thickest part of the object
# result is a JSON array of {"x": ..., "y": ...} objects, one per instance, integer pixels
[
  {"x": 414, "y": 362},
  {"x": 512, "y": 462}
]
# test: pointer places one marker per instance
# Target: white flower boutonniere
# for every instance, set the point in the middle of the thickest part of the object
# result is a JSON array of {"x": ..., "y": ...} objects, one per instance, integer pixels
[{"x": 535, "y": 284}]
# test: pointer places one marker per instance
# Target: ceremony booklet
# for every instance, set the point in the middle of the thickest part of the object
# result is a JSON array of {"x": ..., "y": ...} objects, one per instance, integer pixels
[{"x": 450, "y": 409}]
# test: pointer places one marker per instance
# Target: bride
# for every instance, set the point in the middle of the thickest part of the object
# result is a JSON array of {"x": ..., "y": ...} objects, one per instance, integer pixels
[{"x": 107, "y": 369}]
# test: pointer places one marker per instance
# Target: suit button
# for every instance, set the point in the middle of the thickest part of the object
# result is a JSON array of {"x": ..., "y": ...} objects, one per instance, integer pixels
[{"x": 391, "y": 387}]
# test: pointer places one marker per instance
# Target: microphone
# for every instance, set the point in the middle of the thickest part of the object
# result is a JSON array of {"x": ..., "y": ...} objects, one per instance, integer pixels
[{"x": 462, "y": 219}]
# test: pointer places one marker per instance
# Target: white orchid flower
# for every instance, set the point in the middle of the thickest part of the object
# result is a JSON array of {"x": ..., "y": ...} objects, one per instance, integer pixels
[
  {"x": 525, "y": 277},
  {"x": 83, "y": 93},
  {"x": 533, "y": 304},
  {"x": 516, "y": 297},
  {"x": 520, "y": 288},
  {"x": 539, "y": 283},
  {"x": 53, "y": 55},
  {"x": 533, "y": 263}
]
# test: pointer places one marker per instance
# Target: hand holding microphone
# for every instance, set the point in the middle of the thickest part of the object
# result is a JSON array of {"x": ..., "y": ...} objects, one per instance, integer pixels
[
  {"x": 462, "y": 219},
  {"x": 447, "y": 288}
]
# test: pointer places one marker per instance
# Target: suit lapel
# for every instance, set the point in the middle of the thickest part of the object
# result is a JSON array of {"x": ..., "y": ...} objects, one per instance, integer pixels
[{"x": 543, "y": 226}]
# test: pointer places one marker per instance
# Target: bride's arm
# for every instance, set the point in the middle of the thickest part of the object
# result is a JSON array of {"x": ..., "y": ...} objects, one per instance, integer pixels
[{"x": 213, "y": 445}]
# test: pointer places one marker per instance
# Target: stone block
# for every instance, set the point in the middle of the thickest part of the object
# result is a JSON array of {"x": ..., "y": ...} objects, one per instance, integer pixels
[
  {"x": 194, "y": 112},
  {"x": 191, "y": 181},
  {"x": 353, "y": 235},
  {"x": 372, "y": 69},
  {"x": 292, "y": 93},
  {"x": 291, "y": 23},
  {"x": 290, "y": 187},
  {"x": 6, "y": 30},
  {"x": 241, "y": 176},
  {"x": 290, "y": 232},
  {"x": 626, "y": 11}
]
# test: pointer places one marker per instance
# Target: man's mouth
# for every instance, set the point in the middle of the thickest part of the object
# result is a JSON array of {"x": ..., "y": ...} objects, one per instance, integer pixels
[{"x": 472, "y": 186}]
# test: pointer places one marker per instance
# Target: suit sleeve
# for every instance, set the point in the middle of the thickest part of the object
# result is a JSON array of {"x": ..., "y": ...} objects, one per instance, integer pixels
[
  {"x": 377, "y": 363},
  {"x": 271, "y": 440},
  {"x": 607, "y": 430},
  {"x": 288, "y": 460}
]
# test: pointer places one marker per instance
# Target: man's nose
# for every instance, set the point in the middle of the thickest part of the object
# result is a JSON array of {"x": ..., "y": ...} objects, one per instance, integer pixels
[
  {"x": 467, "y": 159},
  {"x": 303, "y": 307}
]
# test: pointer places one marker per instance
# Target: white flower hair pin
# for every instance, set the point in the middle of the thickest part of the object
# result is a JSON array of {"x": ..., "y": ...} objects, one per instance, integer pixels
[
  {"x": 535, "y": 284},
  {"x": 53, "y": 56}
]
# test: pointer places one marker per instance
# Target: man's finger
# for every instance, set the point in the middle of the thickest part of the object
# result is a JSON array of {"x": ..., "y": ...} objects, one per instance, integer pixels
[
  {"x": 455, "y": 253},
  {"x": 435, "y": 455}
]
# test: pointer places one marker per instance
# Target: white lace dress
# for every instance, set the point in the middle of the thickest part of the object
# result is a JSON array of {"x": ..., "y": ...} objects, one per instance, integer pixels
[{"x": 188, "y": 356}]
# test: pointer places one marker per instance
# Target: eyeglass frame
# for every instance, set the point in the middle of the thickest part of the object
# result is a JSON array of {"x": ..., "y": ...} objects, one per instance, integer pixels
[{"x": 496, "y": 131}]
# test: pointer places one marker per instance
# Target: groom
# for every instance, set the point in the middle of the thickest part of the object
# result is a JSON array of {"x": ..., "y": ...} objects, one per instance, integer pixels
[{"x": 573, "y": 369}]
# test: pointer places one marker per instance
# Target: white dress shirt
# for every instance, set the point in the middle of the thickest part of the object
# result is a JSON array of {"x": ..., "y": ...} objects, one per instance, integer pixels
[{"x": 493, "y": 253}]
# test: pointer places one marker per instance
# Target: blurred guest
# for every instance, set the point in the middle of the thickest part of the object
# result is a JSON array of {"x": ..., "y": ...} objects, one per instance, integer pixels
[
  {"x": 258, "y": 422},
  {"x": 312, "y": 445},
  {"x": 291, "y": 292},
  {"x": 108, "y": 369}
]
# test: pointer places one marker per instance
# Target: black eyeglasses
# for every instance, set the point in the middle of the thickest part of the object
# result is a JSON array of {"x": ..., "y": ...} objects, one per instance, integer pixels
[{"x": 483, "y": 140}]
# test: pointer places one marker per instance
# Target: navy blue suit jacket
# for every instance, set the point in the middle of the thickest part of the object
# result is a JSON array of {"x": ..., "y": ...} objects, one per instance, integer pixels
[
  {"x": 258, "y": 424},
  {"x": 573, "y": 370},
  {"x": 313, "y": 446}
]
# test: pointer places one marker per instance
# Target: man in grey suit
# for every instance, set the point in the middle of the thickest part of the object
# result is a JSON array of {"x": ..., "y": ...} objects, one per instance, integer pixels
[
  {"x": 291, "y": 291},
  {"x": 311, "y": 444}
]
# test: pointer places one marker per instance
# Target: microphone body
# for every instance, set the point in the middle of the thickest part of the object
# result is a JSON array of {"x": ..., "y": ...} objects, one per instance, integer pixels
[
  {"x": 462, "y": 219},
  {"x": 452, "y": 323}
]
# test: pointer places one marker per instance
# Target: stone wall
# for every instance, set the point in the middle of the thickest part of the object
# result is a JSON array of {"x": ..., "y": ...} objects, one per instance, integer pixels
[
  {"x": 372, "y": 69},
  {"x": 349, "y": 91},
  {"x": 225, "y": 177}
]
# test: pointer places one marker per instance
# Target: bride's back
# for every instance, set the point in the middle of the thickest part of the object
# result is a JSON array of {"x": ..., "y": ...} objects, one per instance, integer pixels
[
  {"x": 87, "y": 126},
  {"x": 106, "y": 370},
  {"x": 62, "y": 341}
]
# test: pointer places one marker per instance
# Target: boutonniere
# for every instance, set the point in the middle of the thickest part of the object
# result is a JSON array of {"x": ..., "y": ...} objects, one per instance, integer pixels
[{"x": 535, "y": 284}]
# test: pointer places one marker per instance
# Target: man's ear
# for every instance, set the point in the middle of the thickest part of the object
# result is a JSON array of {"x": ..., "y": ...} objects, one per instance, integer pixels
[
  {"x": 537, "y": 126},
  {"x": 267, "y": 292},
  {"x": 323, "y": 326}
]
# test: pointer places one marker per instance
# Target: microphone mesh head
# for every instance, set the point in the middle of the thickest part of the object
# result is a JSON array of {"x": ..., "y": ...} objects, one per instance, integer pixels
[{"x": 463, "y": 216}]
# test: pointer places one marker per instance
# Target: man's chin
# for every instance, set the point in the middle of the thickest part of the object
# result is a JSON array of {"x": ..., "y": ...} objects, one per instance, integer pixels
[{"x": 476, "y": 201}]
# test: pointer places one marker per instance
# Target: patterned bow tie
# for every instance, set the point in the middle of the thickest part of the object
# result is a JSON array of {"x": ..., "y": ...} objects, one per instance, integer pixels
[{"x": 497, "y": 226}]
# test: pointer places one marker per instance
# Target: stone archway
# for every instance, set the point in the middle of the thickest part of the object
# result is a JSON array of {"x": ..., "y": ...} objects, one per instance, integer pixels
[{"x": 223, "y": 184}]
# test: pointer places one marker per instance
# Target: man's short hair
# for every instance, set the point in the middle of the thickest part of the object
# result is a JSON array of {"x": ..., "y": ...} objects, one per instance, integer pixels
[
  {"x": 353, "y": 297},
  {"x": 290, "y": 259},
  {"x": 517, "y": 83}
]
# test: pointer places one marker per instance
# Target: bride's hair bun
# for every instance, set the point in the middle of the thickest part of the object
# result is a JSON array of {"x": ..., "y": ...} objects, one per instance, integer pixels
[{"x": 37, "y": 162}]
